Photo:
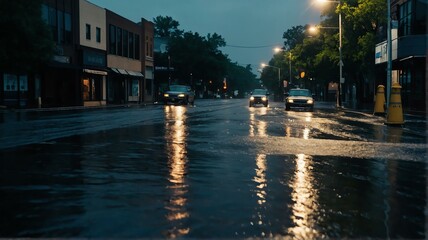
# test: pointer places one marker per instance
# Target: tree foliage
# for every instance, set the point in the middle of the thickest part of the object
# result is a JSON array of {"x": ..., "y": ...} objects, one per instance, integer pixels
[
  {"x": 25, "y": 38},
  {"x": 318, "y": 55},
  {"x": 166, "y": 27},
  {"x": 200, "y": 58}
]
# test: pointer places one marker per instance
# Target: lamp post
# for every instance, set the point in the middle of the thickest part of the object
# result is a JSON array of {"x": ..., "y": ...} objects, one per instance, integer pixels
[
  {"x": 389, "y": 64},
  {"x": 279, "y": 74},
  {"x": 277, "y": 50},
  {"x": 341, "y": 80}
]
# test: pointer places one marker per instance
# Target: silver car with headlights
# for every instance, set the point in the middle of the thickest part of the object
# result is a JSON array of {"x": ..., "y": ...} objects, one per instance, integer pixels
[
  {"x": 259, "y": 96},
  {"x": 299, "y": 98}
]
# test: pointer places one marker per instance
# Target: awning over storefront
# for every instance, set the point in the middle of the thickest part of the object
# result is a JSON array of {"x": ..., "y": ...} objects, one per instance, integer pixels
[
  {"x": 135, "y": 74},
  {"x": 127, "y": 72},
  {"x": 97, "y": 72}
]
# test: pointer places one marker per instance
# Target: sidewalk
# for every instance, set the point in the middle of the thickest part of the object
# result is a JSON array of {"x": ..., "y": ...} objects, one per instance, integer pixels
[{"x": 52, "y": 109}]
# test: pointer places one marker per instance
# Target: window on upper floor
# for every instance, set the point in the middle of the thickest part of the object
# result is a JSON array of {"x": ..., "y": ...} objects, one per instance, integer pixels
[
  {"x": 412, "y": 17},
  {"x": 59, "y": 22},
  {"x": 125, "y": 43},
  {"x": 98, "y": 34},
  {"x": 88, "y": 32},
  {"x": 405, "y": 18},
  {"x": 67, "y": 27},
  {"x": 137, "y": 46},
  {"x": 119, "y": 41},
  {"x": 131, "y": 45},
  {"x": 112, "y": 39}
]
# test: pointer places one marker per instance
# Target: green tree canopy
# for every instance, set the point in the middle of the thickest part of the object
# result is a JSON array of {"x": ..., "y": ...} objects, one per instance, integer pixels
[
  {"x": 199, "y": 57},
  {"x": 25, "y": 38},
  {"x": 166, "y": 26}
]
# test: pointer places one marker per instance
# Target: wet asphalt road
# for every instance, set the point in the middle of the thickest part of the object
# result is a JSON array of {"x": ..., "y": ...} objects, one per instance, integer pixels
[{"x": 216, "y": 170}]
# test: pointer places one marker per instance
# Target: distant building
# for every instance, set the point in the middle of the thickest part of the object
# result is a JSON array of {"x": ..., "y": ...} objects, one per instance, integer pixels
[{"x": 409, "y": 52}]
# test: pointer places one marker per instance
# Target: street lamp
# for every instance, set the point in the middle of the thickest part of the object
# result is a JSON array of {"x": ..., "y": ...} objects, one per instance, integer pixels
[
  {"x": 341, "y": 80},
  {"x": 277, "y": 50},
  {"x": 279, "y": 73}
]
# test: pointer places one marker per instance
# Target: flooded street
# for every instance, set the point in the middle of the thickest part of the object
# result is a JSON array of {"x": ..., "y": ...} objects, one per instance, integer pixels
[{"x": 216, "y": 170}]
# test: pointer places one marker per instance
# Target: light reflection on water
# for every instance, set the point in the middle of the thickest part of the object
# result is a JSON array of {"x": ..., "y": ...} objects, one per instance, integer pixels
[
  {"x": 305, "y": 200},
  {"x": 260, "y": 178},
  {"x": 257, "y": 127},
  {"x": 297, "y": 132},
  {"x": 176, "y": 141}
]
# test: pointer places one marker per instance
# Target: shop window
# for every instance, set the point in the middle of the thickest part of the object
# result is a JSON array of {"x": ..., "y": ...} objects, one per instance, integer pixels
[
  {"x": 149, "y": 86},
  {"x": 10, "y": 83},
  {"x": 91, "y": 89},
  {"x": 134, "y": 88}
]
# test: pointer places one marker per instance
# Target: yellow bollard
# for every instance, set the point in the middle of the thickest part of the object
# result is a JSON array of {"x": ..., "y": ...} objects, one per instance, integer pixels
[
  {"x": 395, "y": 110},
  {"x": 379, "y": 108}
]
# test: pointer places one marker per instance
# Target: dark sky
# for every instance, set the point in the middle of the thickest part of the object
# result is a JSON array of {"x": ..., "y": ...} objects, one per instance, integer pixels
[{"x": 244, "y": 23}]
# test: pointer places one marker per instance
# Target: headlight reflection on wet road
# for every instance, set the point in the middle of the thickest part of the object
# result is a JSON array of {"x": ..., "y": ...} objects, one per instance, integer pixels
[
  {"x": 257, "y": 127},
  {"x": 305, "y": 201},
  {"x": 294, "y": 130},
  {"x": 176, "y": 137}
]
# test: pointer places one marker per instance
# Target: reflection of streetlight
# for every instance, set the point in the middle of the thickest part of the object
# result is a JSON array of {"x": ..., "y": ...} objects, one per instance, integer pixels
[
  {"x": 338, "y": 97},
  {"x": 279, "y": 73}
]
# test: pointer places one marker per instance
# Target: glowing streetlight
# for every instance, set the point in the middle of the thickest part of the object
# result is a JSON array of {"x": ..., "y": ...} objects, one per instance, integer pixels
[
  {"x": 277, "y": 50},
  {"x": 279, "y": 73},
  {"x": 341, "y": 80}
]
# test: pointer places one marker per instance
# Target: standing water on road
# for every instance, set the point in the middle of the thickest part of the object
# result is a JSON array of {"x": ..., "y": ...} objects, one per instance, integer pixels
[{"x": 217, "y": 170}]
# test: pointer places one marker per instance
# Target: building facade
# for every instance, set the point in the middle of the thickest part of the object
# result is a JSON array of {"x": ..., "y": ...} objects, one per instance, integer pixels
[
  {"x": 124, "y": 59},
  {"x": 148, "y": 60},
  {"x": 100, "y": 58},
  {"x": 409, "y": 52},
  {"x": 92, "y": 53}
]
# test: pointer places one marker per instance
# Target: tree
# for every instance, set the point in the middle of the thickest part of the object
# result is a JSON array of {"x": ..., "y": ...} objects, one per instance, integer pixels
[
  {"x": 294, "y": 36},
  {"x": 195, "y": 58},
  {"x": 25, "y": 39},
  {"x": 166, "y": 27}
]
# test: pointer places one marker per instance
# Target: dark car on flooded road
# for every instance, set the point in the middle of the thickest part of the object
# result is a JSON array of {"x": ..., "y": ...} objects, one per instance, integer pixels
[
  {"x": 299, "y": 99},
  {"x": 259, "y": 96},
  {"x": 179, "y": 94}
]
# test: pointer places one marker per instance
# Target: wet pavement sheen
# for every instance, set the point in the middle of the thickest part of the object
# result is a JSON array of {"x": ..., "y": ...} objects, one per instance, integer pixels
[{"x": 217, "y": 170}]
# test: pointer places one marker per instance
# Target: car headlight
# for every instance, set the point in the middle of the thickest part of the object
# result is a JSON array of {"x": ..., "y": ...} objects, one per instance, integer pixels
[
  {"x": 166, "y": 95},
  {"x": 251, "y": 98},
  {"x": 181, "y": 95},
  {"x": 264, "y": 98},
  {"x": 310, "y": 101},
  {"x": 290, "y": 101}
]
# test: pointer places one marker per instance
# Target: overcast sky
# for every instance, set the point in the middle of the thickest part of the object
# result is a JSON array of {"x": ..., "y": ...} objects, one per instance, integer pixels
[{"x": 244, "y": 23}]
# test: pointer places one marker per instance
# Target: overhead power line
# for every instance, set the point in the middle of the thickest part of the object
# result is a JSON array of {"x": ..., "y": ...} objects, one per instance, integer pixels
[{"x": 264, "y": 46}]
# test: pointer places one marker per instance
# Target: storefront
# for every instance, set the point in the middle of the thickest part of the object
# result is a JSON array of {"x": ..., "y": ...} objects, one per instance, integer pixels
[
  {"x": 124, "y": 86},
  {"x": 15, "y": 90},
  {"x": 94, "y": 77},
  {"x": 93, "y": 87}
]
